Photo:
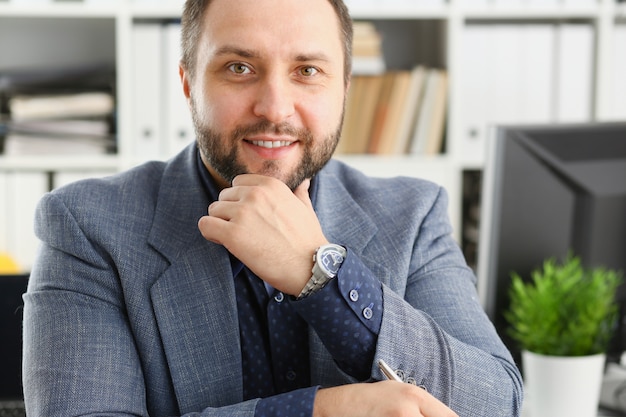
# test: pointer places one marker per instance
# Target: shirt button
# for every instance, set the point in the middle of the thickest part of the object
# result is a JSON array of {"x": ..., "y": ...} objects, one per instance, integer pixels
[
  {"x": 354, "y": 295},
  {"x": 279, "y": 297},
  {"x": 368, "y": 313},
  {"x": 291, "y": 375}
]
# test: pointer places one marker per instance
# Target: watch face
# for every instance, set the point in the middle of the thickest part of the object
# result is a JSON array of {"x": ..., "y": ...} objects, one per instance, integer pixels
[{"x": 331, "y": 260}]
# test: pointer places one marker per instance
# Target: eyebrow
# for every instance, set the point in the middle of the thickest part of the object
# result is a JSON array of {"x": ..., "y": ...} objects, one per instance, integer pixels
[
  {"x": 250, "y": 53},
  {"x": 234, "y": 50}
]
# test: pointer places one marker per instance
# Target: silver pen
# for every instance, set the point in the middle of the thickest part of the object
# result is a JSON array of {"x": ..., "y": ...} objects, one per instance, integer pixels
[{"x": 387, "y": 371}]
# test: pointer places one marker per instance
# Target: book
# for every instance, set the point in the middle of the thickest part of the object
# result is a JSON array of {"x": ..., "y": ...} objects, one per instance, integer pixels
[
  {"x": 85, "y": 104},
  {"x": 429, "y": 128},
  {"x": 368, "y": 97},
  {"x": 350, "y": 116},
  {"x": 18, "y": 143},
  {"x": 381, "y": 112},
  {"x": 434, "y": 139},
  {"x": 97, "y": 127},
  {"x": 408, "y": 116},
  {"x": 398, "y": 99}
]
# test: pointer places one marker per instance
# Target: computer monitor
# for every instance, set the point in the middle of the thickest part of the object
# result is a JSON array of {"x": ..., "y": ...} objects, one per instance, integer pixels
[
  {"x": 11, "y": 306},
  {"x": 548, "y": 190}
]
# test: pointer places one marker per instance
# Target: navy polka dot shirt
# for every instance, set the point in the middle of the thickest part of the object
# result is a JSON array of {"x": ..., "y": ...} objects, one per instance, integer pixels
[{"x": 346, "y": 315}]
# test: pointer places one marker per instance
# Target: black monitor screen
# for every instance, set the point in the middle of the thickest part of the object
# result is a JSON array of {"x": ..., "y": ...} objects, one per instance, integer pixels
[
  {"x": 11, "y": 289},
  {"x": 547, "y": 191}
]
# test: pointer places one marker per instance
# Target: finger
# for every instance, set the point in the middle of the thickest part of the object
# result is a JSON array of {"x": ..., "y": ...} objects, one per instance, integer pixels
[
  {"x": 250, "y": 179},
  {"x": 209, "y": 228},
  {"x": 229, "y": 194},
  {"x": 224, "y": 210},
  {"x": 432, "y": 407}
]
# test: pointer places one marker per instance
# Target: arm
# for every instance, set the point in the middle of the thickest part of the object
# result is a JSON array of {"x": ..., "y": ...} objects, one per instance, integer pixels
[
  {"x": 433, "y": 327},
  {"x": 436, "y": 332},
  {"x": 88, "y": 349}
]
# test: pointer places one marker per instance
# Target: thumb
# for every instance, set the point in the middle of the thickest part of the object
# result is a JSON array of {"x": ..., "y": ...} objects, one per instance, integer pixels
[{"x": 302, "y": 192}]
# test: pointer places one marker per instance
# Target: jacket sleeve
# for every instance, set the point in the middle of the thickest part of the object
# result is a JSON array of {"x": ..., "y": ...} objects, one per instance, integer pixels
[
  {"x": 79, "y": 352},
  {"x": 80, "y": 347},
  {"x": 435, "y": 331}
]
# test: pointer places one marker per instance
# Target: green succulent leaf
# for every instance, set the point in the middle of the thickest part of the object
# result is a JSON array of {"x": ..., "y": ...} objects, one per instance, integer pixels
[{"x": 564, "y": 309}]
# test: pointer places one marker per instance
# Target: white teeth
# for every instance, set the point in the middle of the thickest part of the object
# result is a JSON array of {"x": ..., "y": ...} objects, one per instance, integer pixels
[{"x": 271, "y": 143}]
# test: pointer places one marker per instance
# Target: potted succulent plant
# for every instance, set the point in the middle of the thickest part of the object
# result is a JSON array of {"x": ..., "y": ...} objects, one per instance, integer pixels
[{"x": 564, "y": 315}]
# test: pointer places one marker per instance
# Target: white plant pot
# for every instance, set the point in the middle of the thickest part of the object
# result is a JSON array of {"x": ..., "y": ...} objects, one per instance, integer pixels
[{"x": 561, "y": 386}]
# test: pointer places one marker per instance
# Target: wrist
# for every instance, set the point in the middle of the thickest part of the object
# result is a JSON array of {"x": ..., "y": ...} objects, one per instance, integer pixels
[{"x": 327, "y": 259}]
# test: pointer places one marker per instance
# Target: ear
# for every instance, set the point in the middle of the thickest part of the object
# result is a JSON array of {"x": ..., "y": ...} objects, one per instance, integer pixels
[{"x": 184, "y": 79}]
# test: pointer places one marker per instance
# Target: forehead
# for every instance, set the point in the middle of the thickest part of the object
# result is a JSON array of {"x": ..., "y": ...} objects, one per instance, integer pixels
[{"x": 279, "y": 28}]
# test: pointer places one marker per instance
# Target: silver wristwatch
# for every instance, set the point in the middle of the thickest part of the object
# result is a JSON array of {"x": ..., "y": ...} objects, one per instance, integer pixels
[{"x": 326, "y": 262}]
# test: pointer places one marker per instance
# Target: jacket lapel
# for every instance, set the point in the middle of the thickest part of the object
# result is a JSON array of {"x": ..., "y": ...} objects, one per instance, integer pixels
[
  {"x": 194, "y": 300},
  {"x": 196, "y": 313}
]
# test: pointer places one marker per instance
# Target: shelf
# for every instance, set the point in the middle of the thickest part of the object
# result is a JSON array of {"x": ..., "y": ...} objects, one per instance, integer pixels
[
  {"x": 157, "y": 11},
  {"x": 51, "y": 10},
  {"x": 399, "y": 12},
  {"x": 59, "y": 163},
  {"x": 528, "y": 13}
]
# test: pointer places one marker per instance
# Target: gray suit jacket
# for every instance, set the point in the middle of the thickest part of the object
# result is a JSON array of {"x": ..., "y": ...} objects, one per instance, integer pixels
[{"x": 130, "y": 311}]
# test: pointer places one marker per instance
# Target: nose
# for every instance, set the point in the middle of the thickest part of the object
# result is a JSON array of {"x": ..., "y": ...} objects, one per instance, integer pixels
[{"x": 275, "y": 99}]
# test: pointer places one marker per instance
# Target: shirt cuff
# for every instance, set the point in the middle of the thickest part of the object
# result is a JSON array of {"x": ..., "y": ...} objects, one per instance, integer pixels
[
  {"x": 347, "y": 314},
  {"x": 298, "y": 403}
]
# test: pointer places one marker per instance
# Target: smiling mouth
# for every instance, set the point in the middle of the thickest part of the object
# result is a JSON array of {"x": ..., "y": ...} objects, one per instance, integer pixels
[{"x": 269, "y": 144}]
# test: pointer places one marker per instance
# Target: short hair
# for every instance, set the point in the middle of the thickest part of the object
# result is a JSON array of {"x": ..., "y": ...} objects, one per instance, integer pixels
[{"x": 192, "y": 23}]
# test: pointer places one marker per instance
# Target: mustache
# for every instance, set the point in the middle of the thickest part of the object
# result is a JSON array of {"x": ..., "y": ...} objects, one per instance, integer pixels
[{"x": 267, "y": 127}]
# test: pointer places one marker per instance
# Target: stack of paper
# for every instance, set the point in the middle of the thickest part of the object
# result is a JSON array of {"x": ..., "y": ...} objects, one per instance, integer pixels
[
  {"x": 367, "y": 54},
  {"x": 58, "y": 112}
]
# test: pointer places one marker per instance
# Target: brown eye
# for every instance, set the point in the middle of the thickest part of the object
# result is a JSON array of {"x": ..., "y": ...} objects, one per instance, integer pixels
[
  {"x": 308, "y": 71},
  {"x": 239, "y": 68}
]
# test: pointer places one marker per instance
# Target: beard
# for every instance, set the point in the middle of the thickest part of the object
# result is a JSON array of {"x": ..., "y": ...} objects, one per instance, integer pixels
[{"x": 220, "y": 150}]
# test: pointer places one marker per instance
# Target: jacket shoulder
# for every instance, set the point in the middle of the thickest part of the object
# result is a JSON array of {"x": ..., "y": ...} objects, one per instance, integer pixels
[
  {"x": 365, "y": 188},
  {"x": 122, "y": 189}
]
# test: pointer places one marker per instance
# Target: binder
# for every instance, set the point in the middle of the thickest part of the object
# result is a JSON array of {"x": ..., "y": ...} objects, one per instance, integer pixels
[
  {"x": 4, "y": 213},
  {"x": 147, "y": 63},
  {"x": 619, "y": 73},
  {"x": 536, "y": 84},
  {"x": 505, "y": 74},
  {"x": 178, "y": 129},
  {"x": 475, "y": 61},
  {"x": 574, "y": 72},
  {"x": 24, "y": 190}
]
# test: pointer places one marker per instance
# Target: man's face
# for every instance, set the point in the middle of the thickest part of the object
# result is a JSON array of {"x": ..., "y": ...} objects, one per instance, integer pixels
[{"x": 269, "y": 90}]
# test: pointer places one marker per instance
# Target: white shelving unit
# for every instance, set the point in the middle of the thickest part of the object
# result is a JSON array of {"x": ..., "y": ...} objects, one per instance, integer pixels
[{"x": 447, "y": 21}]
